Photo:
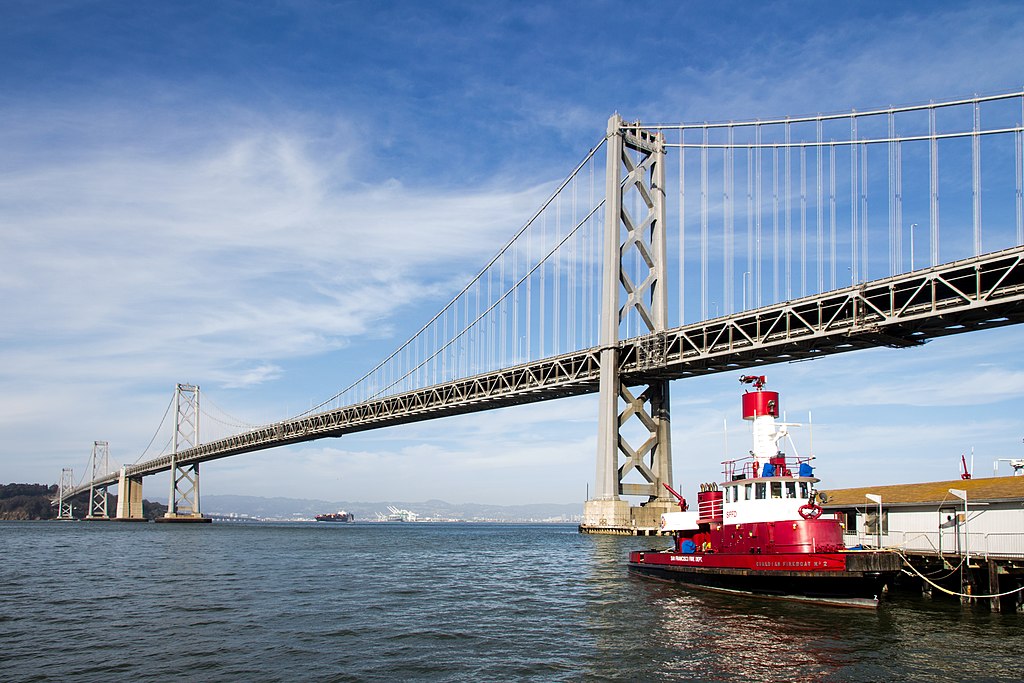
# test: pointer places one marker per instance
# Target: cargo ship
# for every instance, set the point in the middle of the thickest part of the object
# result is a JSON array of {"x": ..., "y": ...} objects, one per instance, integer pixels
[
  {"x": 762, "y": 531},
  {"x": 340, "y": 516}
]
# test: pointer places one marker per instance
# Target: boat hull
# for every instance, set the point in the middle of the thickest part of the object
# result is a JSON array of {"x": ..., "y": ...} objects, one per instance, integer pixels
[{"x": 841, "y": 579}]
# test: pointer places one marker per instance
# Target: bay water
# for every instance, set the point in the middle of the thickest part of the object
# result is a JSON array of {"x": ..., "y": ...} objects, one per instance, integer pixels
[{"x": 103, "y": 601}]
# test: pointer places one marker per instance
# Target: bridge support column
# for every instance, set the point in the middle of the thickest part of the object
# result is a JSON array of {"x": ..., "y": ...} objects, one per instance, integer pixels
[
  {"x": 183, "y": 502},
  {"x": 634, "y": 268},
  {"x": 65, "y": 510},
  {"x": 129, "y": 497},
  {"x": 98, "y": 494}
]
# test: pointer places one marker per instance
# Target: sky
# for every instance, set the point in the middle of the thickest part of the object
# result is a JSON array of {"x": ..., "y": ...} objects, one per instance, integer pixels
[{"x": 264, "y": 199}]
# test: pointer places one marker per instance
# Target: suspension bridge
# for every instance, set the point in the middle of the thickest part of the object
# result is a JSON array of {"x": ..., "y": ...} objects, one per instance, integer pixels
[{"x": 676, "y": 250}]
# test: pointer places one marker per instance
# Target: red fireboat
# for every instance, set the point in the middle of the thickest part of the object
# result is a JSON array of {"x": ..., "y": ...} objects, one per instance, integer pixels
[{"x": 762, "y": 531}]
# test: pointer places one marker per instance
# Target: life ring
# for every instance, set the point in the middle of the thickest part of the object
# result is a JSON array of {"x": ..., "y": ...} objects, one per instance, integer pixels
[{"x": 810, "y": 511}]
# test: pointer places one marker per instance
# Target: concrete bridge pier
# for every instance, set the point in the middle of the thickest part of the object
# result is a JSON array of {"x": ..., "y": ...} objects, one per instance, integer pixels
[{"x": 129, "y": 498}]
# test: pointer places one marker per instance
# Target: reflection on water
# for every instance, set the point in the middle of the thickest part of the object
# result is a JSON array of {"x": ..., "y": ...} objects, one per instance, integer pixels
[{"x": 687, "y": 634}]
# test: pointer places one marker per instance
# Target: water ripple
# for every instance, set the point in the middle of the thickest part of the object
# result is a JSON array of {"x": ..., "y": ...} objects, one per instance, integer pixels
[{"x": 433, "y": 602}]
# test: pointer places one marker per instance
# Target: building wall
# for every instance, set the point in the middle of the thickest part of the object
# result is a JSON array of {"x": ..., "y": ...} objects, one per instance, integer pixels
[{"x": 996, "y": 529}]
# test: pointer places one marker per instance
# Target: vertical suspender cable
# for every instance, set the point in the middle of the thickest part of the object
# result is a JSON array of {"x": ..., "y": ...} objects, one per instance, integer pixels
[
  {"x": 682, "y": 228},
  {"x": 517, "y": 344},
  {"x": 542, "y": 319},
  {"x": 819, "y": 209},
  {"x": 464, "y": 335},
  {"x": 491, "y": 341},
  {"x": 1019, "y": 154},
  {"x": 556, "y": 275},
  {"x": 571, "y": 336},
  {"x": 1019, "y": 167},
  {"x": 864, "y": 213},
  {"x": 788, "y": 221},
  {"x": 832, "y": 210},
  {"x": 592, "y": 281},
  {"x": 899, "y": 204},
  {"x": 478, "y": 359},
  {"x": 704, "y": 227},
  {"x": 775, "y": 224},
  {"x": 729, "y": 187},
  {"x": 803, "y": 221},
  {"x": 976, "y": 178},
  {"x": 757, "y": 217},
  {"x": 894, "y": 228},
  {"x": 529, "y": 295},
  {"x": 933, "y": 207},
  {"x": 503, "y": 313},
  {"x": 854, "y": 275},
  {"x": 750, "y": 226}
]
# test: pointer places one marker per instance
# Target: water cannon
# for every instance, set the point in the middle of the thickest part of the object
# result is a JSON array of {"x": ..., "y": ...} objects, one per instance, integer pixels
[
  {"x": 965, "y": 473},
  {"x": 757, "y": 380},
  {"x": 683, "y": 507}
]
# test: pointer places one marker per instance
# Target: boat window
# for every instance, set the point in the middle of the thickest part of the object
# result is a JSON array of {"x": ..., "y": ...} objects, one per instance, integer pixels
[
  {"x": 748, "y": 492},
  {"x": 790, "y": 489},
  {"x": 804, "y": 493},
  {"x": 776, "y": 489},
  {"x": 759, "y": 491},
  {"x": 727, "y": 494}
]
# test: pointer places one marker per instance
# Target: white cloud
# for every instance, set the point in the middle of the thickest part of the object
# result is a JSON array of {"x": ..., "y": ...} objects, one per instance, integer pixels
[{"x": 128, "y": 265}]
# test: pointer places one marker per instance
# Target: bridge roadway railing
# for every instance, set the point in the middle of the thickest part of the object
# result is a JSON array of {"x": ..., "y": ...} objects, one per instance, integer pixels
[{"x": 900, "y": 311}]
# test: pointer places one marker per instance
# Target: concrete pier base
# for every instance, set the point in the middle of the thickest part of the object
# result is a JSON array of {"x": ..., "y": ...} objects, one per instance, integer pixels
[
  {"x": 183, "y": 519},
  {"x": 129, "y": 497},
  {"x": 619, "y": 518}
]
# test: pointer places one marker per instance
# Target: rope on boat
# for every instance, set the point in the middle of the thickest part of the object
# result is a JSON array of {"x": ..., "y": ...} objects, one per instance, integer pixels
[{"x": 954, "y": 593}]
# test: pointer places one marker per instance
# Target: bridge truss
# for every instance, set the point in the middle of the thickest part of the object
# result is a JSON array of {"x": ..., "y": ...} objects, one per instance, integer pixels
[{"x": 901, "y": 311}]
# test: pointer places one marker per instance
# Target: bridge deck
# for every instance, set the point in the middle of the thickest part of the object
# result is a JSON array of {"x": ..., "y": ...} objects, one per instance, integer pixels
[{"x": 901, "y": 311}]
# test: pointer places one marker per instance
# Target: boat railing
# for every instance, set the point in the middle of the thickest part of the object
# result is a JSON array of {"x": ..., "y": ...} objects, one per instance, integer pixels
[{"x": 749, "y": 467}]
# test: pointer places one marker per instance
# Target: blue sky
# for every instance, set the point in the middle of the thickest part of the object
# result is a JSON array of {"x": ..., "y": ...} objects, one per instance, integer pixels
[{"x": 265, "y": 198}]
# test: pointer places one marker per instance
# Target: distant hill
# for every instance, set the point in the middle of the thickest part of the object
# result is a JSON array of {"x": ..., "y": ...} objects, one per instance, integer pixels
[
  {"x": 32, "y": 501},
  {"x": 27, "y": 501},
  {"x": 299, "y": 508}
]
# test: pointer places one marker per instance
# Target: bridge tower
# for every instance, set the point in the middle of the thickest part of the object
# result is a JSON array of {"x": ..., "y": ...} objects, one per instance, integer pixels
[
  {"x": 98, "y": 494},
  {"x": 634, "y": 268},
  {"x": 183, "y": 502},
  {"x": 67, "y": 484}
]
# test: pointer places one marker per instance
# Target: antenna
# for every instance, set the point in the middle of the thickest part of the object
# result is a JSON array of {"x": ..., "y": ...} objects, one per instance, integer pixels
[{"x": 810, "y": 426}]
